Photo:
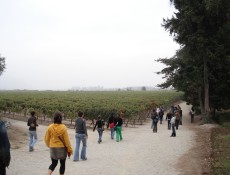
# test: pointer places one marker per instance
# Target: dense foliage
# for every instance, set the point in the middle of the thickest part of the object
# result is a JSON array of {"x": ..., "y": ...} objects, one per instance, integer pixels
[
  {"x": 45, "y": 103},
  {"x": 201, "y": 67}
]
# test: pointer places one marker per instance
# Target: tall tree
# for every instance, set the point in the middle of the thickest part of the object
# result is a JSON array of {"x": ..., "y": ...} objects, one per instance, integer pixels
[
  {"x": 201, "y": 27},
  {"x": 182, "y": 75}
]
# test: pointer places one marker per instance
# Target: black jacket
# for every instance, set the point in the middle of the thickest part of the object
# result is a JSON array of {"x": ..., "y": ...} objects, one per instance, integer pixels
[
  {"x": 32, "y": 123},
  {"x": 99, "y": 124},
  {"x": 4, "y": 146},
  {"x": 119, "y": 121}
]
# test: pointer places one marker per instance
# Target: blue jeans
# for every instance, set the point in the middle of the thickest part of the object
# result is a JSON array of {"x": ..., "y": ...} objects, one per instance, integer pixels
[
  {"x": 33, "y": 139},
  {"x": 112, "y": 133},
  {"x": 100, "y": 132},
  {"x": 79, "y": 138}
]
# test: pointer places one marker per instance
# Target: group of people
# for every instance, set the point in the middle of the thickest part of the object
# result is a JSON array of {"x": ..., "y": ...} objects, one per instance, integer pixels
[
  {"x": 115, "y": 125},
  {"x": 173, "y": 116},
  {"x": 57, "y": 139}
]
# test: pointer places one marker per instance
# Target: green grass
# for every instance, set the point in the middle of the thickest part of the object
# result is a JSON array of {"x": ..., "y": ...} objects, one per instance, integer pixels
[{"x": 221, "y": 145}]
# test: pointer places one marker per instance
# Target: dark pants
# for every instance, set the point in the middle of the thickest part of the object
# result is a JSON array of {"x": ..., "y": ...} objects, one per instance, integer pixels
[
  {"x": 173, "y": 131},
  {"x": 154, "y": 127},
  {"x": 192, "y": 118},
  {"x": 54, "y": 164},
  {"x": 177, "y": 123},
  {"x": 2, "y": 168},
  {"x": 169, "y": 124},
  {"x": 161, "y": 118}
]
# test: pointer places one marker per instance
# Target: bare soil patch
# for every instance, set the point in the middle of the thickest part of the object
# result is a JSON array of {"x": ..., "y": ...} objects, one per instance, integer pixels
[
  {"x": 18, "y": 136},
  {"x": 198, "y": 159}
]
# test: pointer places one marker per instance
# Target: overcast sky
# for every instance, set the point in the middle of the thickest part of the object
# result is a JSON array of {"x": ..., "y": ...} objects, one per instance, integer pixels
[{"x": 60, "y": 44}]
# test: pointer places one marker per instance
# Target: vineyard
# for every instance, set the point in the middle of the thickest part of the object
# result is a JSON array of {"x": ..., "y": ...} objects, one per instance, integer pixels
[{"x": 132, "y": 103}]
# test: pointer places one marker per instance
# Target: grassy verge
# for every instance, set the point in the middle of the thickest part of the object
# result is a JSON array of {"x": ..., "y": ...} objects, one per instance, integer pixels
[{"x": 220, "y": 139}]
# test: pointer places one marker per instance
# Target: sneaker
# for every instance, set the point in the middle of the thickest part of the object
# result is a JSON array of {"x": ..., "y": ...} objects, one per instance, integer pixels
[
  {"x": 31, "y": 149},
  {"x": 84, "y": 159},
  {"x": 75, "y": 160}
]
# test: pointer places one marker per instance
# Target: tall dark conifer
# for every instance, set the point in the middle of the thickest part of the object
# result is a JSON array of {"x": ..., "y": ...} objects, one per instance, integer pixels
[{"x": 202, "y": 28}]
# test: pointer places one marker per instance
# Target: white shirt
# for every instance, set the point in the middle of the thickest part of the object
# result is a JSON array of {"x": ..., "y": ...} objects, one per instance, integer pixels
[{"x": 172, "y": 121}]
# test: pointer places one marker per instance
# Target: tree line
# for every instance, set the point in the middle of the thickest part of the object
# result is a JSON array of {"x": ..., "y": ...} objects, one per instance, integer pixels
[{"x": 201, "y": 67}]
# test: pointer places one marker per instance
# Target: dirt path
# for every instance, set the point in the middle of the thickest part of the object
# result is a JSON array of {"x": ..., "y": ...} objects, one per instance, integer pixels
[{"x": 141, "y": 151}]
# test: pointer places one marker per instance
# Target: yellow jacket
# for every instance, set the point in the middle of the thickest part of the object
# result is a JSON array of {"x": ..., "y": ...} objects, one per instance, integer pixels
[{"x": 52, "y": 135}]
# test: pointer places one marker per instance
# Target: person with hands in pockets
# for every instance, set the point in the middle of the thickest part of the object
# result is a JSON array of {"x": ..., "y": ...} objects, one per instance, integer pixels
[
  {"x": 57, "y": 139},
  {"x": 81, "y": 136}
]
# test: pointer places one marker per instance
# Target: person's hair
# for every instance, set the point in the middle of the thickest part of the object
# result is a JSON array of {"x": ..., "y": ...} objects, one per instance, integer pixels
[
  {"x": 80, "y": 113},
  {"x": 57, "y": 117},
  {"x": 32, "y": 113},
  {"x": 111, "y": 114}
]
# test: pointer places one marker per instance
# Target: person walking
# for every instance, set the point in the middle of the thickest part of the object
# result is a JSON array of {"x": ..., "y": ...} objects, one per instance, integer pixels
[
  {"x": 180, "y": 112},
  {"x": 192, "y": 113},
  {"x": 81, "y": 136},
  {"x": 111, "y": 124},
  {"x": 154, "y": 117},
  {"x": 168, "y": 117},
  {"x": 177, "y": 115},
  {"x": 4, "y": 149},
  {"x": 118, "y": 126},
  {"x": 173, "y": 120},
  {"x": 161, "y": 114},
  {"x": 57, "y": 139},
  {"x": 100, "y": 128},
  {"x": 32, "y": 123}
]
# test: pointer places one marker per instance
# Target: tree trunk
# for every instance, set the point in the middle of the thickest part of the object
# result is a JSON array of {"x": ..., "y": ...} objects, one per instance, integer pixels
[
  {"x": 201, "y": 102},
  {"x": 206, "y": 90}
]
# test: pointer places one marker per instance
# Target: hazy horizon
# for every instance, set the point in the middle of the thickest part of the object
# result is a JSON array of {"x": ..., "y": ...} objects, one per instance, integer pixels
[{"x": 57, "y": 45}]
